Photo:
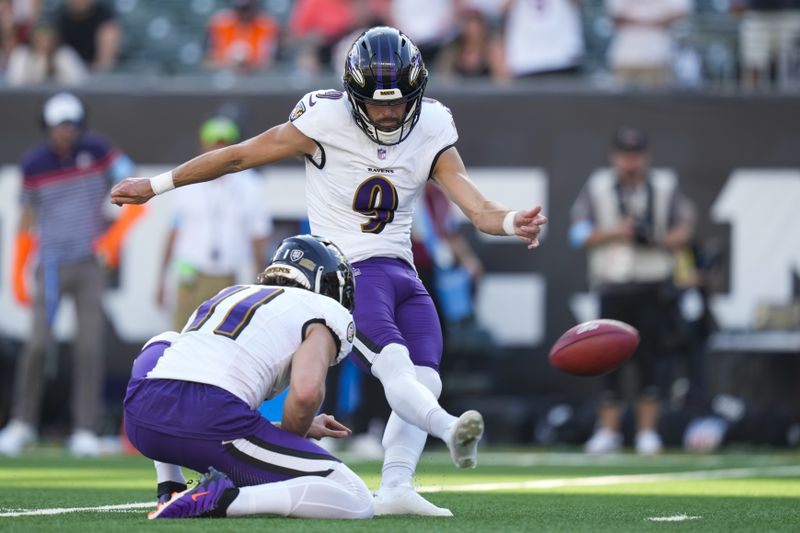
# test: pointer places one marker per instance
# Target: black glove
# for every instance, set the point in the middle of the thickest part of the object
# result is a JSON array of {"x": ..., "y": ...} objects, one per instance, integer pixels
[{"x": 167, "y": 488}]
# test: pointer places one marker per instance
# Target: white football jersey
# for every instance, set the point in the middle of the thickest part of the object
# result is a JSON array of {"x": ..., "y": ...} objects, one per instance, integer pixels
[
  {"x": 243, "y": 339},
  {"x": 361, "y": 194}
]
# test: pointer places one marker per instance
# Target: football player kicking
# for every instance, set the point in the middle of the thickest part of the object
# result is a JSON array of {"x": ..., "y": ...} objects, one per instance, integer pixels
[
  {"x": 369, "y": 152},
  {"x": 193, "y": 397}
]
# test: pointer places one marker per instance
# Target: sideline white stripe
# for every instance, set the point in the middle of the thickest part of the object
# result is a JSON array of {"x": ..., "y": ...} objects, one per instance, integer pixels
[
  {"x": 64, "y": 510},
  {"x": 731, "y": 473},
  {"x": 781, "y": 471},
  {"x": 518, "y": 459}
]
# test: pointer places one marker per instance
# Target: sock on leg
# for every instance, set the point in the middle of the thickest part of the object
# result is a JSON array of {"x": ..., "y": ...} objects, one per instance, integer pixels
[
  {"x": 168, "y": 472},
  {"x": 170, "y": 480},
  {"x": 406, "y": 395},
  {"x": 403, "y": 444}
]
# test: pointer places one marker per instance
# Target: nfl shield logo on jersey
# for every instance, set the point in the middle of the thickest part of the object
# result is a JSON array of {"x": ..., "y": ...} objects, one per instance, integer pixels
[
  {"x": 381, "y": 152},
  {"x": 295, "y": 255}
]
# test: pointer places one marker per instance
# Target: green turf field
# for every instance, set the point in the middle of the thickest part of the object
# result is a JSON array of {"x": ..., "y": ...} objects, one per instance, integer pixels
[{"x": 509, "y": 491}]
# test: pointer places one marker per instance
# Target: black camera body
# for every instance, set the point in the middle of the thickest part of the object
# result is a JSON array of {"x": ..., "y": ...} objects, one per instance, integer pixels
[{"x": 643, "y": 232}]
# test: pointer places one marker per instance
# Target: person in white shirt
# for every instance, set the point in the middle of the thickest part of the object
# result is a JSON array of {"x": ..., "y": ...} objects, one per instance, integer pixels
[
  {"x": 44, "y": 60},
  {"x": 193, "y": 396},
  {"x": 641, "y": 49},
  {"x": 217, "y": 228},
  {"x": 430, "y": 31},
  {"x": 369, "y": 151},
  {"x": 769, "y": 38},
  {"x": 543, "y": 37}
]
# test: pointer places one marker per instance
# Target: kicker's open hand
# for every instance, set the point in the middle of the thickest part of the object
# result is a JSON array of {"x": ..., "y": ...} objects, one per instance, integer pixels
[{"x": 528, "y": 225}]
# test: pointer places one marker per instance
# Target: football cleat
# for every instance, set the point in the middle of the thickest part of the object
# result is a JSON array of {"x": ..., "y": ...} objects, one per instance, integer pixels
[
  {"x": 14, "y": 437},
  {"x": 210, "y": 498},
  {"x": 463, "y": 439},
  {"x": 84, "y": 443},
  {"x": 404, "y": 500},
  {"x": 648, "y": 442},
  {"x": 603, "y": 441}
]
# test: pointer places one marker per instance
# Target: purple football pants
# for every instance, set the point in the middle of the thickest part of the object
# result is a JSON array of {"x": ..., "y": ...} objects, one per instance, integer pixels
[
  {"x": 392, "y": 306},
  {"x": 197, "y": 425}
]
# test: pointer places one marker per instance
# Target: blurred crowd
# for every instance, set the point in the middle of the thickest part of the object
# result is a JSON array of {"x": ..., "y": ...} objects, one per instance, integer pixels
[{"x": 617, "y": 43}]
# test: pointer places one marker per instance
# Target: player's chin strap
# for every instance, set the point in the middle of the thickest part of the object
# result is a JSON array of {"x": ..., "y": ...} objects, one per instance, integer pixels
[
  {"x": 340, "y": 277},
  {"x": 318, "y": 280}
]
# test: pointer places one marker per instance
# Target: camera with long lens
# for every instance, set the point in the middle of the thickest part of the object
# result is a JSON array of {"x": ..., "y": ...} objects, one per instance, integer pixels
[{"x": 642, "y": 232}]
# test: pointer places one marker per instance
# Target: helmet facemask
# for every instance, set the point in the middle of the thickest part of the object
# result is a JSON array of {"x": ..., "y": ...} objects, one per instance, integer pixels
[{"x": 385, "y": 68}]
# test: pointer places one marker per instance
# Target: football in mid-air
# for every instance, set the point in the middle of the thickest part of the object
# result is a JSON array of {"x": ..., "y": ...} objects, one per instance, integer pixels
[{"x": 594, "y": 347}]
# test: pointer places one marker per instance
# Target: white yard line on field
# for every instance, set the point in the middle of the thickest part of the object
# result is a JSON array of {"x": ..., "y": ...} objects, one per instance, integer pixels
[
  {"x": 527, "y": 458},
  {"x": 674, "y": 518},
  {"x": 593, "y": 481},
  {"x": 64, "y": 510},
  {"x": 730, "y": 473}
]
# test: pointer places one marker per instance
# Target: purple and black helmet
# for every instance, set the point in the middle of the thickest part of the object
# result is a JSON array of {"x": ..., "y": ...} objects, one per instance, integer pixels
[
  {"x": 384, "y": 67},
  {"x": 314, "y": 263}
]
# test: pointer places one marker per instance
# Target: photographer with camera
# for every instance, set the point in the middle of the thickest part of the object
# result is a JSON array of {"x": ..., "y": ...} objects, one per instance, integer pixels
[{"x": 630, "y": 220}]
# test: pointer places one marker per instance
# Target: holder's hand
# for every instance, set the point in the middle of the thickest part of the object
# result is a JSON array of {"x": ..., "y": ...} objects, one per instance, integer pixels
[{"x": 327, "y": 426}]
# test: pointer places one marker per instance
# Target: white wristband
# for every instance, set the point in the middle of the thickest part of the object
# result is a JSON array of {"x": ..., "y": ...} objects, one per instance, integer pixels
[
  {"x": 508, "y": 222},
  {"x": 162, "y": 183}
]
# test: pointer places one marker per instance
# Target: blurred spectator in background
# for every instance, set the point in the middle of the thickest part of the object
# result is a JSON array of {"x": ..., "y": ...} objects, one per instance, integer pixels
[
  {"x": 218, "y": 227},
  {"x": 8, "y": 32},
  {"x": 44, "y": 60},
  {"x": 641, "y": 49},
  {"x": 769, "y": 39},
  {"x": 476, "y": 52},
  {"x": 65, "y": 187},
  {"x": 91, "y": 28},
  {"x": 17, "y": 18},
  {"x": 631, "y": 220},
  {"x": 431, "y": 24},
  {"x": 543, "y": 37},
  {"x": 368, "y": 13},
  {"x": 316, "y": 27},
  {"x": 25, "y": 14},
  {"x": 243, "y": 37}
]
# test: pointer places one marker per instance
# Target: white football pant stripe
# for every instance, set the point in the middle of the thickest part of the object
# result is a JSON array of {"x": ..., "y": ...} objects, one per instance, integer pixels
[{"x": 292, "y": 462}]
